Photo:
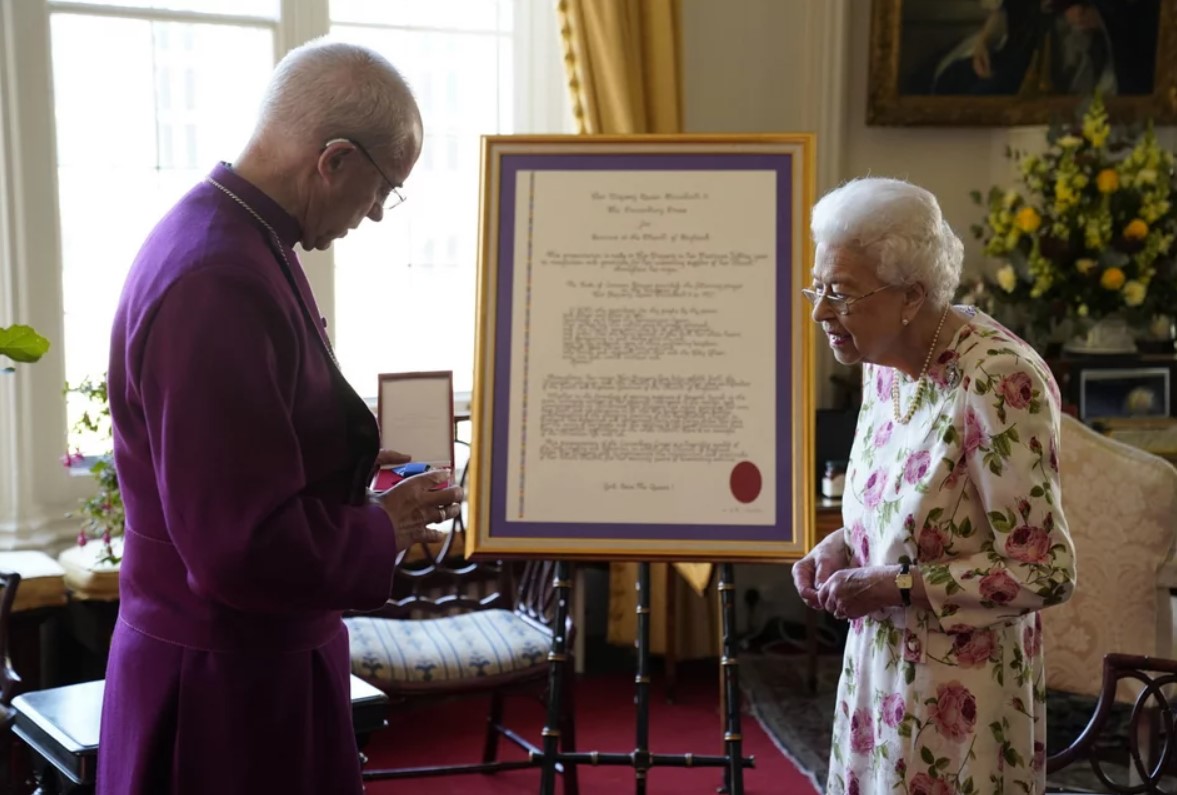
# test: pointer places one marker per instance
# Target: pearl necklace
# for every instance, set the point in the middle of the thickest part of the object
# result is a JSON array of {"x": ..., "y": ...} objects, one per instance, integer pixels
[{"x": 923, "y": 379}]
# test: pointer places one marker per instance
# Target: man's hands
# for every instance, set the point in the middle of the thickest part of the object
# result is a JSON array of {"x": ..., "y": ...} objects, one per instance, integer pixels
[{"x": 417, "y": 502}]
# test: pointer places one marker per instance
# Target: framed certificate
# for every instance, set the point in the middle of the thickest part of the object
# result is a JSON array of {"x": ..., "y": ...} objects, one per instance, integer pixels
[
  {"x": 643, "y": 382},
  {"x": 416, "y": 416}
]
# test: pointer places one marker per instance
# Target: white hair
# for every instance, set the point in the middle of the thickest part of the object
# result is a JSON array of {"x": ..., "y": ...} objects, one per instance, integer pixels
[
  {"x": 899, "y": 227},
  {"x": 322, "y": 90}
]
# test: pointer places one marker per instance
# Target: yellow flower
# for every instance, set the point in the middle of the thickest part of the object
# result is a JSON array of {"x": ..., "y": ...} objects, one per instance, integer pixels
[
  {"x": 1107, "y": 180},
  {"x": 1070, "y": 141},
  {"x": 1134, "y": 293},
  {"x": 1007, "y": 278},
  {"x": 1085, "y": 265},
  {"x": 1028, "y": 220},
  {"x": 1146, "y": 176},
  {"x": 1082, "y": 310},
  {"x": 1136, "y": 229},
  {"x": 1112, "y": 279}
]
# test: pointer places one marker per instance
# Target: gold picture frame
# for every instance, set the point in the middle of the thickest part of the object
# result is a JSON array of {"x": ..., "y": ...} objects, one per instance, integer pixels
[
  {"x": 1054, "y": 54},
  {"x": 581, "y": 233}
]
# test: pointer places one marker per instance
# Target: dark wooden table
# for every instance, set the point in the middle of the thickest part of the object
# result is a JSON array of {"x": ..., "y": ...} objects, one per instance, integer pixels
[{"x": 60, "y": 727}]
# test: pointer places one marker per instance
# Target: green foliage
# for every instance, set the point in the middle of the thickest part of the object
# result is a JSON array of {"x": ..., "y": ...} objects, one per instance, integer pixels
[
  {"x": 22, "y": 344},
  {"x": 103, "y": 516}
]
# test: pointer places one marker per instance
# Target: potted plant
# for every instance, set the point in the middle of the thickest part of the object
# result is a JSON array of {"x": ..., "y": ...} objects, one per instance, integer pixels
[{"x": 103, "y": 517}]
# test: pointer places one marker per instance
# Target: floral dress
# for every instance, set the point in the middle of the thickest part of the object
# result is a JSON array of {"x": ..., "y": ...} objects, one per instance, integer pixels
[{"x": 952, "y": 700}]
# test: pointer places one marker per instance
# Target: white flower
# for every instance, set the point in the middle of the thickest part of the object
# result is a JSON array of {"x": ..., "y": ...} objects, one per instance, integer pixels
[
  {"x": 1134, "y": 292},
  {"x": 1007, "y": 278}
]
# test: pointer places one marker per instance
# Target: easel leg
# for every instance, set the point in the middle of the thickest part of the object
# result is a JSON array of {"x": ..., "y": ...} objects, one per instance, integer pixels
[
  {"x": 557, "y": 670},
  {"x": 641, "y": 753},
  {"x": 729, "y": 667},
  {"x": 671, "y": 612}
]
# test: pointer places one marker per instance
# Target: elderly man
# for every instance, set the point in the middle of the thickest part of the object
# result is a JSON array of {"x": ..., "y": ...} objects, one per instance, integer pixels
[{"x": 244, "y": 457}]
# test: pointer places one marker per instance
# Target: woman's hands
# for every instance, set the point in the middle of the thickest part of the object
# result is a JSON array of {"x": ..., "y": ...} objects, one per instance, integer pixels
[
  {"x": 812, "y": 571},
  {"x": 417, "y": 502},
  {"x": 825, "y": 580},
  {"x": 856, "y": 592}
]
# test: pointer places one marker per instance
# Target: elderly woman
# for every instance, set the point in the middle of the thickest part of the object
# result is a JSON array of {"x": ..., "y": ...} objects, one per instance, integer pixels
[{"x": 954, "y": 536}]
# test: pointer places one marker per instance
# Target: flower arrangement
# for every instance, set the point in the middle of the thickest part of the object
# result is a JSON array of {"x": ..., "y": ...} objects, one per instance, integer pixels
[
  {"x": 103, "y": 517},
  {"x": 1089, "y": 233}
]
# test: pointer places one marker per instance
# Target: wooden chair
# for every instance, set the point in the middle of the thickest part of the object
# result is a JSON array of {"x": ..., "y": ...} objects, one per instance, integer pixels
[
  {"x": 1143, "y": 765},
  {"x": 461, "y": 628},
  {"x": 10, "y": 768}
]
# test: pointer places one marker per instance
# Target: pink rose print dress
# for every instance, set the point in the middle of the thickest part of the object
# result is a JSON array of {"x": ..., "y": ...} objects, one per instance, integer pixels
[{"x": 952, "y": 701}]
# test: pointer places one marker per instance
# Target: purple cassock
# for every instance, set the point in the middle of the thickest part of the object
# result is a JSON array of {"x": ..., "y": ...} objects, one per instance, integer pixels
[{"x": 243, "y": 457}]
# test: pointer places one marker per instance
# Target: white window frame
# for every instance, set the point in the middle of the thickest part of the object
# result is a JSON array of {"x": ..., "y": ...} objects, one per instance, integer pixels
[{"x": 37, "y": 493}]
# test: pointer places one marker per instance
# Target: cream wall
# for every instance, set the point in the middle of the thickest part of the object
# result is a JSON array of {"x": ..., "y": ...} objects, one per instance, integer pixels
[{"x": 801, "y": 65}]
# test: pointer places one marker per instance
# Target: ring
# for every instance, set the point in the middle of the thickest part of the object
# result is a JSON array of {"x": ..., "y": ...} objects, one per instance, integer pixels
[{"x": 441, "y": 511}]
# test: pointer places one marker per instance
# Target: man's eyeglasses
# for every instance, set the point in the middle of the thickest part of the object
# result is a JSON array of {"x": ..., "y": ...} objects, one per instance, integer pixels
[
  {"x": 394, "y": 197},
  {"x": 840, "y": 303}
]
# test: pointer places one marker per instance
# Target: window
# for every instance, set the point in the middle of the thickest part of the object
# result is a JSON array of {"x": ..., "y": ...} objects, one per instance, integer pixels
[
  {"x": 405, "y": 288},
  {"x": 178, "y": 105},
  {"x": 114, "y": 108}
]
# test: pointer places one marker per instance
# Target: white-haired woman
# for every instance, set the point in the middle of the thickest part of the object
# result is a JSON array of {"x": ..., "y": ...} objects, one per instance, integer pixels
[{"x": 954, "y": 536}]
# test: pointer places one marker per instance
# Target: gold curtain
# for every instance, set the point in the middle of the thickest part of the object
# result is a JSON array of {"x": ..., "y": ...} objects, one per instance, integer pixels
[{"x": 625, "y": 77}]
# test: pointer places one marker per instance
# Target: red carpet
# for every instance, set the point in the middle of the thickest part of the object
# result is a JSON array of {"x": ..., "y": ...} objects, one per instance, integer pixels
[{"x": 452, "y": 731}]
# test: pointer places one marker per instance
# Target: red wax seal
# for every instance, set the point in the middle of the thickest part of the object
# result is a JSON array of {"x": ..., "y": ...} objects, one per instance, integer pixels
[{"x": 746, "y": 481}]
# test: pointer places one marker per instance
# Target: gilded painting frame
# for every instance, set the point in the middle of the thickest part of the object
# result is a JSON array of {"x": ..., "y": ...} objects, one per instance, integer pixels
[
  {"x": 890, "y": 104},
  {"x": 506, "y": 346}
]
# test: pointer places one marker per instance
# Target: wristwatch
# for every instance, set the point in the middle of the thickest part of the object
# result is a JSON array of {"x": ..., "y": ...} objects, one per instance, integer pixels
[{"x": 903, "y": 581}]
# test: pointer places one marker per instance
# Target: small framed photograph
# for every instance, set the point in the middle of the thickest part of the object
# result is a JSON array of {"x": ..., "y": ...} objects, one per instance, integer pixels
[{"x": 416, "y": 416}]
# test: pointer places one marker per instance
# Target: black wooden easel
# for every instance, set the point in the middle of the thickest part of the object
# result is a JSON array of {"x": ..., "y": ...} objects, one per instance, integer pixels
[{"x": 732, "y": 761}]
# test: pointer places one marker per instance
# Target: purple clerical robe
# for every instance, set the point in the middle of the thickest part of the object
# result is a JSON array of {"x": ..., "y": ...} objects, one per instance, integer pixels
[{"x": 242, "y": 457}]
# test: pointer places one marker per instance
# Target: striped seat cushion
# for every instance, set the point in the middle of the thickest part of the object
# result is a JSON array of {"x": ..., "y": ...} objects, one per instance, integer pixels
[{"x": 395, "y": 654}]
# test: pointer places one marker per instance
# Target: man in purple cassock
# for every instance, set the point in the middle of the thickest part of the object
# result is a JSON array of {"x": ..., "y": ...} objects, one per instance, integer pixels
[{"x": 244, "y": 457}]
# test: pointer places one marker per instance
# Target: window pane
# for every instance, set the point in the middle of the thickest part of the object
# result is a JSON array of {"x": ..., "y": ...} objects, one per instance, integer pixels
[
  {"x": 250, "y": 8},
  {"x": 143, "y": 111},
  {"x": 413, "y": 275},
  {"x": 483, "y": 15}
]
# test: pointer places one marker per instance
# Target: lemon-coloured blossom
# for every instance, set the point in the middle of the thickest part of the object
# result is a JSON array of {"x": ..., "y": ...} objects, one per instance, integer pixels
[
  {"x": 1152, "y": 209},
  {"x": 1097, "y": 229},
  {"x": 1107, "y": 180},
  {"x": 1070, "y": 142},
  {"x": 1136, "y": 229},
  {"x": 1028, "y": 220},
  {"x": 1096, "y": 128},
  {"x": 1007, "y": 278},
  {"x": 1085, "y": 265},
  {"x": 1134, "y": 292},
  {"x": 1112, "y": 279}
]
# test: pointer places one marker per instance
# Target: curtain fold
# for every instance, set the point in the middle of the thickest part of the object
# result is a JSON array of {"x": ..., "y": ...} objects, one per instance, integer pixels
[{"x": 622, "y": 60}]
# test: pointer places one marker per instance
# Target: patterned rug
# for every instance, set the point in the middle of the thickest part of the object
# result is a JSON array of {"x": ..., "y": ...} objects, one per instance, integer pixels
[{"x": 800, "y": 721}]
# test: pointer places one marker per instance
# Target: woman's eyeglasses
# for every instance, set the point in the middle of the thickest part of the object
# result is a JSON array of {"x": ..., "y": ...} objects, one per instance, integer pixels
[{"x": 839, "y": 303}]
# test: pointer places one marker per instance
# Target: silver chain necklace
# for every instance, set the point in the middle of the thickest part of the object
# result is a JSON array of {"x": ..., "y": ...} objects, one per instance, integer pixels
[{"x": 281, "y": 252}]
